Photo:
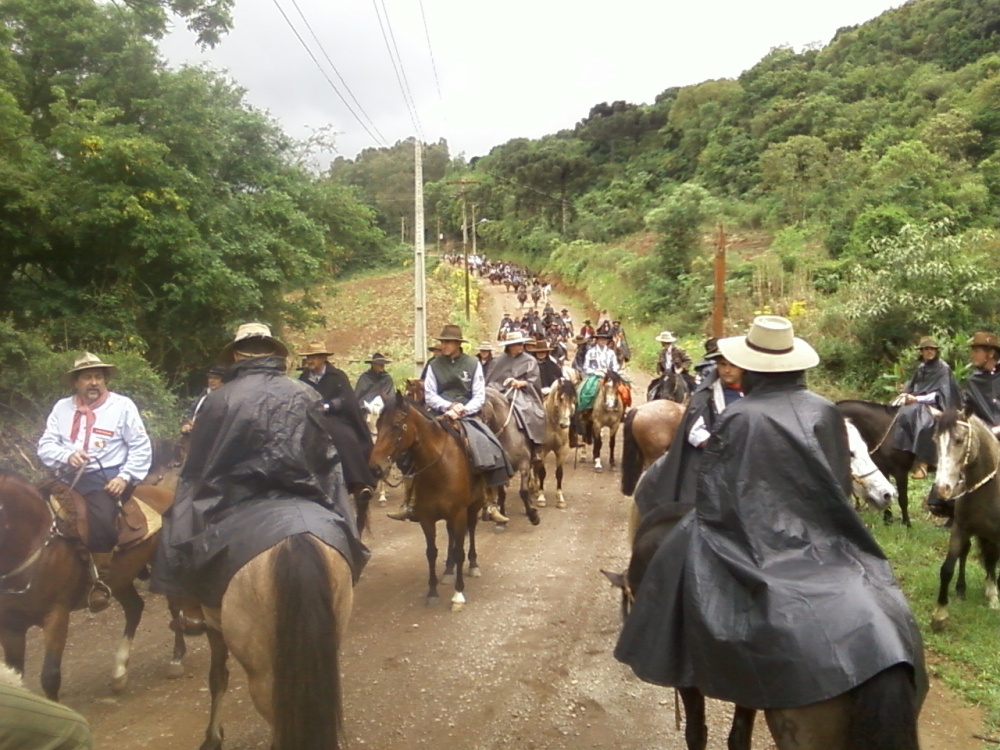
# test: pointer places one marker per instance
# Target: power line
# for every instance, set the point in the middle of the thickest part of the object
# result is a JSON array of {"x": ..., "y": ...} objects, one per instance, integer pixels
[
  {"x": 321, "y": 70},
  {"x": 327, "y": 56},
  {"x": 430, "y": 49},
  {"x": 403, "y": 87}
]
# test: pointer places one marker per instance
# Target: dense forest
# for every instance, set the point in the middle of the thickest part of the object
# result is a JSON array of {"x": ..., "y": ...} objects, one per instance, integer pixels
[{"x": 865, "y": 174}]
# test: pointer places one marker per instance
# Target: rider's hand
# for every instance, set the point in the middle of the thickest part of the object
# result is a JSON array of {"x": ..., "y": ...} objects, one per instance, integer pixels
[
  {"x": 116, "y": 487},
  {"x": 909, "y": 398},
  {"x": 458, "y": 410},
  {"x": 186, "y": 428},
  {"x": 78, "y": 459}
]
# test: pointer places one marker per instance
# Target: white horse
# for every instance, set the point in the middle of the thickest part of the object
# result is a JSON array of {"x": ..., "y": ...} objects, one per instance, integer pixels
[
  {"x": 373, "y": 410},
  {"x": 867, "y": 482}
]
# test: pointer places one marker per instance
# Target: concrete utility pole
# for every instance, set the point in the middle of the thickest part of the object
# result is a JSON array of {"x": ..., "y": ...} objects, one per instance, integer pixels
[
  {"x": 419, "y": 286},
  {"x": 719, "y": 312},
  {"x": 465, "y": 240}
]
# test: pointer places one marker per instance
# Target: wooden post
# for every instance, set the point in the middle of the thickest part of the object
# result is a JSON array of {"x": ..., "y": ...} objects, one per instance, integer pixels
[
  {"x": 719, "y": 312},
  {"x": 465, "y": 253}
]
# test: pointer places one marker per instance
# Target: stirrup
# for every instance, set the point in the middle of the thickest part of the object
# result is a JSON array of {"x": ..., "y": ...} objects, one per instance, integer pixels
[
  {"x": 493, "y": 511},
  {"x": 403, "y": 514},
  {"x": 187, "y": 625},
  {"x": 99, "y": 598}
]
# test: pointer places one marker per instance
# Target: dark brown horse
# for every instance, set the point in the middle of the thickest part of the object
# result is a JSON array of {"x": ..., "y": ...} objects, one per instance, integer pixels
[
  {"x": 445, "y": 486},
  {"x": 44, "y": 576}
]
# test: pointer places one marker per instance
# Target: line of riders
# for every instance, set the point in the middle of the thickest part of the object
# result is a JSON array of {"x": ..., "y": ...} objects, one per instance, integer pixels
[{"x": 748, "y": 391}]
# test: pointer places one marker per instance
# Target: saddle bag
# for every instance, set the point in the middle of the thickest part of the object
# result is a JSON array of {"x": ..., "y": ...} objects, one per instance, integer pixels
[{"x": 131, "y": 523}]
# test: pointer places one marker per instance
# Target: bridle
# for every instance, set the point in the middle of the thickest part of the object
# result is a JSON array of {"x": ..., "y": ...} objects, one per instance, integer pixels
[
  {"x": 394, "y": 457},
  {"x": 31, "y": 559},
  {"x": 965, "y": 464}
]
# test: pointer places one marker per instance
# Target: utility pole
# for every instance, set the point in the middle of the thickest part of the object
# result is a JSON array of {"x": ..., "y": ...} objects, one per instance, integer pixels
[
  {"x": 402, "y": 230},
  {"x": 419, "y": 286},
  {"x": 465, "y": 240},
  {"x": 439, "y": 236},
  {"x": 719, "y": 312}
]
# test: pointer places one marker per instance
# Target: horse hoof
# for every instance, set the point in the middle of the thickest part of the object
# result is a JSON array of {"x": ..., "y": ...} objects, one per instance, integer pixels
[
  {"x": 175, "y": 669},
  {"x": 447, "y": 579},
  {"x": 598, "y": 468},
  {"x": 533, "y": 517},
  {"x": 118, "y": 683},
  {"x": 499, "y": 528},
  {"x": 475, "y": 572},
  {"x": 540, "y": 501},
  {"x": 457, "y": 602},
  {"x": 560, "y": 504},
  {"x": 432, "y": 601},
  {"x": 382, "y": 503}
]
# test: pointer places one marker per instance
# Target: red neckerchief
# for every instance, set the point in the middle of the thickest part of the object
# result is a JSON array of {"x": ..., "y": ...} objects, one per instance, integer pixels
[{"x": 86, "y": 413}]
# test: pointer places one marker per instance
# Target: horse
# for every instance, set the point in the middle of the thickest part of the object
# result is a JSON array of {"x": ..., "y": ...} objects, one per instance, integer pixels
[
  {"x": 875, "y": 422},
  {"x": 536, "y": 295},
  {"x": 968, "y": 460},
  {"x": 168, "y": 458},
  {"x": 498, "y": 415},
  {"x": 607, "y": 412},
  {"x": 373, "y": 410},
  {"x": 283, "y": 616},
  {"x": 670, "y": 386},
  {"x": 648, "y": 431},
  {"x": 560, "y": 405},
  {"x": 522, "y": 297},
  {"x": 445, "y": 486},
  {"x": 45, "y": 575},
  {"x": 415, "y": 391},
  {"x": 897, "y": 728}
]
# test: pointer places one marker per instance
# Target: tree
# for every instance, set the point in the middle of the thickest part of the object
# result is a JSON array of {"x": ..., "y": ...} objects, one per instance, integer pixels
[{"x": 794, "y": 170}]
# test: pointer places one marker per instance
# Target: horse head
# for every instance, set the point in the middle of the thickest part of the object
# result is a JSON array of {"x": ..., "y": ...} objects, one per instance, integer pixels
[
  {"x": 867, "y": 481},
  {"x": 394, "y": 435},
  {"x": 415, "y": 391},
  {"x": 561, "y": 403},
  {"x": 967, "y": 452},
  {"x": 609, "y": 391},
  {"x": 373, "y": 410}
]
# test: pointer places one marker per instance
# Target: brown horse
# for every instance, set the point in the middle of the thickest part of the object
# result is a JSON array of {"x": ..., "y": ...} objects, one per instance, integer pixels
[
  {"x": 648, "y": 432},
  {"x": 445, "y": 486},
  {"x": 560, "y": 405},
  {"x": 607, "y": 413},
  {"x": 283, "y": 616},
  {"x": 45, "y": 576}
]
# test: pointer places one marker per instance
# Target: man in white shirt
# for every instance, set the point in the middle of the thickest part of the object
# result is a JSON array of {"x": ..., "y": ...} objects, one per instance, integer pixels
[{"x": 100, "y": 436}]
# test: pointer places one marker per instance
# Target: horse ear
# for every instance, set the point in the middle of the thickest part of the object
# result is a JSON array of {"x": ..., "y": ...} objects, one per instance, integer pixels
[
  {"x": 399, "y": 399},
  {"x": 968, "y": 408},
  {"x": 617, "y": 579}
]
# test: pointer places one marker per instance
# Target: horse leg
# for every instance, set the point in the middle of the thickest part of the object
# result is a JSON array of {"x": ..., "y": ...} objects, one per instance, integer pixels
[
  {"x": 176, "y": 667},
  {"x": 456, "y": 531},
  {"x": 472, "y": 520},
  {"x": 55, "y": 627},
  {"x": 449, "y": 564},
  {"x": 382, "y": 499},
  {"x": 540, "y": 501},
  {"x": 560, "y": 499},
  {"x": 13, "y": 639},
  {"x": 819, "y": 726},
  {"x": 611, "y": 446},
  {"x": 523, "y": 490},
  {"x": 218, "y": 683},
  {"x": 940, "y": 617},
  {"x": 432, "y": 554},
  {"x": 991, "y": 554},
  {"x": 598, "y": 443},
  {"x": 960, "y": 587},
  {"x": 695, "y": 731},
  {"x": 741, "y": 732},
  {"x": 502, "y": 499},
  {"x": 133, "y": 605},
  {"x": 902, "y": 485}
]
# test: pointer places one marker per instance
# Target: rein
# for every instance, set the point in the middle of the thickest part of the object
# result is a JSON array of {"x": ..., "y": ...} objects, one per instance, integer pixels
[
  {"x": 965, "y": 466},
  {"x": 403, "y": 477},
  {"x": 30, "y": 560},
  {"x": 892, "y": 424}
]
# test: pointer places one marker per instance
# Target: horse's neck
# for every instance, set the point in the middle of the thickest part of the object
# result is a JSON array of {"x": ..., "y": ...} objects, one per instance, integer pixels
[
  {"x": 25, "y": 510},
  {"x": 429, "y": 437},
  {"x": 985, "y": 450}
]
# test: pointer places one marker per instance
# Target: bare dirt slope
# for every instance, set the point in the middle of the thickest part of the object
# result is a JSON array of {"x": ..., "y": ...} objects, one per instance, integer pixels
[{"x": 527, "y": 665}]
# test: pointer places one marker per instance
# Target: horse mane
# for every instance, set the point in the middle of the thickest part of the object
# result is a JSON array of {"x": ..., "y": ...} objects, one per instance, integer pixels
[
  {"x": 566, "y": 389},
  {"x": 949, "y": 419},
  {"x": 861, "y": 402},
  {"x": 11, "y": 474}
]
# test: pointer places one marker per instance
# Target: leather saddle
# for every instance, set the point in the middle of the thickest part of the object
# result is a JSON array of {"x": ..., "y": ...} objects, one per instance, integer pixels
[{"x": 70, "y": 510}]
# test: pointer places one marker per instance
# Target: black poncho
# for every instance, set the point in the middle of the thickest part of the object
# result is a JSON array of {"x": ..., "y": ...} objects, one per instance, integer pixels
[
  {"x": 772, "y": 593},
  {"x": 982, "y": 391},
  {"x": 261, "y": 468}
]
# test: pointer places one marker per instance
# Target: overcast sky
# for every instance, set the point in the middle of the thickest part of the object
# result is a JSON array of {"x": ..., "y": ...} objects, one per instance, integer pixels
[{"x": 507, "y": 68}]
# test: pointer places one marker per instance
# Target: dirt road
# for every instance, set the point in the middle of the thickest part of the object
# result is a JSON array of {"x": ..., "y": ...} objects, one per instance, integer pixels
[{"x": 527, "y": 664}]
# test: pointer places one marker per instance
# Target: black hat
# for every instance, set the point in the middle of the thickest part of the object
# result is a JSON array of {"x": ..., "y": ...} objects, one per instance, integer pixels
[
  {"x": 378, "y": 359},
  {"x": 218, "y": 370}
]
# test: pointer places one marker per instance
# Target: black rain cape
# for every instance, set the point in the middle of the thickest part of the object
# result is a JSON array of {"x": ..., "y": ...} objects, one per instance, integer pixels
[
  {"x": 914, "y": 430},
  {"x": 771, "y": 593},
  {"x": 982, "y": 391},
  {"x": 261, "y": 468}
]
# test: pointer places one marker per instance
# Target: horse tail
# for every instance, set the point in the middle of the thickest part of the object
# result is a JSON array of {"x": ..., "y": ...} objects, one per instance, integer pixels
[
  {"x": 884, "y": 712},
  {"x": 631, "y": 457},
  {"x": 308, "y": 714}
]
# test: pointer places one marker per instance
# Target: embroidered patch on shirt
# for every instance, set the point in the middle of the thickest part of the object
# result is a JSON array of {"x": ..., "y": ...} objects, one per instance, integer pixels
[{"x": 106, "y": 433}]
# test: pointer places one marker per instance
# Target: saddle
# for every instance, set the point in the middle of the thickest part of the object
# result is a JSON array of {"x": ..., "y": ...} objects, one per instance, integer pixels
[{"x": 136, "y": 522}]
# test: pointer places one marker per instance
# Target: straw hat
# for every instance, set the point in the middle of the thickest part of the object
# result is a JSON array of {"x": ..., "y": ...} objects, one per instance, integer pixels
[
  {"x": 315, "y": 348},
  {"x": 378, "y": 359},
  {"x": 451, "y": 332},
  {"x": 88, "y": 361},
  {"x": 984, "y": 338},
  {"x": 249, "y": 331},
  {"x": 485, "y": 346},
  {"x": 770, "y": 346},
  {"x": 513, "y": 337},
  {"x": 666, "y": 337},
  {"x": 928, "y": 343}
]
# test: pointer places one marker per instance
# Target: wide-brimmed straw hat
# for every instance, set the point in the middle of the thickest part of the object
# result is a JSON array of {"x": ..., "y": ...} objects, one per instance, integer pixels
[
  {"x": 666, "y": 337},
  {"x": 984, "y": 338},
  {"x": 316, "y": 348},
  {"x": 248, "y": 332},
  {"x": 451, "y": 332},
  {"x": 378, "y": 359},
  {"x": 485, "y": 346},
  {"x": 513, "y": 337},
  {"x": 88, "y": 361},
  {"x": 928, "y": 343},
  {"x": 770, "y": 346}
]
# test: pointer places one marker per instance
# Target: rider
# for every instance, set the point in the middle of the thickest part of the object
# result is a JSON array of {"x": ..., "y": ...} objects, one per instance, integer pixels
[
  {"x": 587, "y": 329},
  {"x": 261, "y": 468},
  {"x": 772, "y": 593},
  {"x": 982, "y": 389},
  {"x": 671, "y": 355},
  {"x": 97, "y": 436},
  {"x": 600, "y": 359},
  {"x": 455, "y": 387},
  {"x": 375, "y": 381},
  {"x": 583, "y": 345},
  {"x": 549, "y": 370},
  {"x": 515, "y": 374},
  {"x": 214, "y": 380},
  {"x": 932, "y": 384},
  {"x": 344, "y": 421},
  {"x": 619, "y": 337},
  {"x": 706, "y": 368},
  {"x": 506, "y": 324},
  {"x": 485, "y": 356}
]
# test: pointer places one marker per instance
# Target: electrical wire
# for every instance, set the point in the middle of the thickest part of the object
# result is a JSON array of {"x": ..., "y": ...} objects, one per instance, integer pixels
[
  {"x": 430, "y": 49},
  {"x": 321, "y": 70},
  {"x": 403, "y": 87},
  {"x": 346, "y": 87}
]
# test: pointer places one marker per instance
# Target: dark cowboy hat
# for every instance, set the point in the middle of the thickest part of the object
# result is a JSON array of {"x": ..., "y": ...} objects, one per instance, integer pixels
[
  {"x": 451, "y": 332},
  {"x": 984, "y": 338},
  {"x": 603, "y": 334},
  {"x": 217, "y": 370},
  {"x": 538, "y": 345},
  {"x": 88, "y": 361},
  {"x": 586, "y": 321},
  {"x": 578, "y": 340},
  {"x": 712, "y": 349},
  {"x": 378, "y": 359},
  {"x": 928, "y": 343}
]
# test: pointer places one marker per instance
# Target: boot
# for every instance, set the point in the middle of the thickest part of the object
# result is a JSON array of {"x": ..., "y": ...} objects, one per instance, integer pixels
[
  {"x": 405, "y": 512},
  {"x": 493, "y": 511},
  {"x": 100, "y": 593},
  {"x": 920, "y": 470}
]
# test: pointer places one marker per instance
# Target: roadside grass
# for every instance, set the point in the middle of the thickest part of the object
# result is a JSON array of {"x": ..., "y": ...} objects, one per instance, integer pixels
[{"x": 964, "y": 655}]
